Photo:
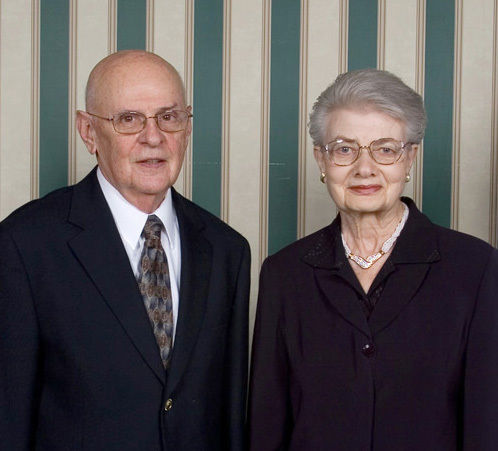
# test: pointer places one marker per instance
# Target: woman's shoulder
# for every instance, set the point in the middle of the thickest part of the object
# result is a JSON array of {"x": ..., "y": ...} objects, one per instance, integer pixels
[
  {"x": 468, "y": 247},
  {"x": 309, "y": 249},
  {"x": 448, "y": 241}
]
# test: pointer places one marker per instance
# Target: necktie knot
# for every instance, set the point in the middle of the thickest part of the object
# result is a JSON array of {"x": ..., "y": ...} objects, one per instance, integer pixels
[{"x": 152, "y": 228}]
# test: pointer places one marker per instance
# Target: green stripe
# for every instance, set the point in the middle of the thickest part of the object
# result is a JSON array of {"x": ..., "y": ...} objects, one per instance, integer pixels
[
  {"x": 208, "y": 78},
  {"x": 362, "y": 34},
  {"x": 284, "y": 123},
  {"x": 131, "y": 32},
  {"x": 439, "y": 50},
  {"x": 54, "y": 64}
]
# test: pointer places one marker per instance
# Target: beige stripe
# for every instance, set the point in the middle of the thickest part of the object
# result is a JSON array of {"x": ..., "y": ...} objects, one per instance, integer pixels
[
  {"x": 472, "y": 170},
  {"x": 493, "y": 205},
  {"x": 265, "y": 129},
  {"x": 381, "y": 34},
  {"x": 243, "y": 60},
  {"x": 35, "y": 99},
  {"x": 401, "y": 40},
  {"x": 225, "y": 102},
  {"x": 173, "y": 40},
  {"x": 457, "y": 94},
  {"x": 92, "y": 31},
  {"x": 149, "y": 25},
  {"x": 71, "y": 132},
  {"x": 18, "y": 24},
  {"x": 343, "y": 35},
  {"x": 112, "y": 26},
  {"x": 326, "y": 57},
  {"x": 189, "y": 89},
  {"x": 417, "y": 171},
  {"x": 303, "y": 119}
]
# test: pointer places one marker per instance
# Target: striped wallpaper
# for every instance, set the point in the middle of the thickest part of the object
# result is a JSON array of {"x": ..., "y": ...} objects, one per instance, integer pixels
[{"x": 252, "y": 71}]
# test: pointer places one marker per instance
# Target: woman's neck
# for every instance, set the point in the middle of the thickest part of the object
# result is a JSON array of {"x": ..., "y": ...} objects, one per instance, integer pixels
[{"x": 365, "y": 233}]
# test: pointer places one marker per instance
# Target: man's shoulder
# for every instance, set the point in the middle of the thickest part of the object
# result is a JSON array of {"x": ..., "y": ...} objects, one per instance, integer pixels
[
  {"x": 45, "y": 211},
  {"x": 213, "y": 226}
]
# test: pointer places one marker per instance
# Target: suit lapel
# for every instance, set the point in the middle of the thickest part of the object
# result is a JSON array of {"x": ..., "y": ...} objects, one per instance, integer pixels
[
  {"x": 400, "y": 288},
  {"x": 416, "y": 249},
  {"x": 100, "y": 251},
  {"x": 338, "y": 293},
  {"x": 326, "y": 257},
  {"x": 194, "y": 286}
]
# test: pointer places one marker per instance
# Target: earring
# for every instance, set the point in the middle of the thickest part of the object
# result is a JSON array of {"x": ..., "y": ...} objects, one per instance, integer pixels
[
  {"x": 322, "y": 177},
  {"x": 408, "y": 178}
]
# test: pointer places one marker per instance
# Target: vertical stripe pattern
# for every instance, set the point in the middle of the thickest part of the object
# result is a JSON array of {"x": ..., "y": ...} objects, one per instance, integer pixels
[
  {"x": 54, "y": 89},
  {"x": 473, "y": 127},
  {"x": 438, "y": 90},
  {"x": 326, "y": 45},
  {"x": 132, "y": 24},
  {"x": 362, "y": 45},
  {"x": 493, "y": 185},
  {"x": 16, "y": 103},
  {"x": 208, "y": 75},
  {"x": 401, "y": 57},
  {"x": 92, "y": 43},
  {"x": 252, "y": 72},
  {"x": 284, "y": 123}
]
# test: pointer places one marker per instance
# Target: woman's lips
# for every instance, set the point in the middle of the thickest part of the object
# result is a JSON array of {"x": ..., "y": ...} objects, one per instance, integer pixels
[{"x": 365, "y": 189}]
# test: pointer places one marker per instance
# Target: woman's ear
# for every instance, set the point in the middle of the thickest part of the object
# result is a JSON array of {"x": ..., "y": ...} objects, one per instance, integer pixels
[
  {"x": 411, "y": 154},
  {"x": 320, "y": 158}
]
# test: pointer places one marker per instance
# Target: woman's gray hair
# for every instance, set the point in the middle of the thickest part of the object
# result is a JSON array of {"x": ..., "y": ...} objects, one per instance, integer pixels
[{"x": 371, "y": 88}]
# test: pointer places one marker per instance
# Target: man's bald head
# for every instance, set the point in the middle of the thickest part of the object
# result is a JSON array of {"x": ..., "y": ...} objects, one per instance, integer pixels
[{"x": 124, "y": 60}]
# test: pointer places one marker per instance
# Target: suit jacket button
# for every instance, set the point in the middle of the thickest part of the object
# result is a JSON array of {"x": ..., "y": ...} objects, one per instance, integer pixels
[
  {"x": 368, "y": 349},
  {"x": 169, "y": 405}
]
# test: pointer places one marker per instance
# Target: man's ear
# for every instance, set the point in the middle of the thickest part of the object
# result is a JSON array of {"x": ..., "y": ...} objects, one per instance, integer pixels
[
  {"x": 86, "y": 130},
  {"x": 188, "y": 130}
]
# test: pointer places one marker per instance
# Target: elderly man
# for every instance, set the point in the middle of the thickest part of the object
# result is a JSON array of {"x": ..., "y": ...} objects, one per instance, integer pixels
[{"x": 123, "y": 306}]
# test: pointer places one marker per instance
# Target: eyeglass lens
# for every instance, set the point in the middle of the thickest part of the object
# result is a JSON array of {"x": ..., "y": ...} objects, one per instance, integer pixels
[
  {"x": 383, "y": 151},
  {"x": 133, "y": 122}
]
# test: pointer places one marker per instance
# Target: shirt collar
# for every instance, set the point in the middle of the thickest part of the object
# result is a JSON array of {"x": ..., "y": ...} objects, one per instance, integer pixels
[
  {"x": 130, "y": 220},
  {"x": 417, "y": 243}
]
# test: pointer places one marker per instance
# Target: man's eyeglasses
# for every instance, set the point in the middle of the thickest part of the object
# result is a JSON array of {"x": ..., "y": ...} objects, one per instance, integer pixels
[
  {"x": 131, "y": 122},
  {"x": 344, "y": 152}
]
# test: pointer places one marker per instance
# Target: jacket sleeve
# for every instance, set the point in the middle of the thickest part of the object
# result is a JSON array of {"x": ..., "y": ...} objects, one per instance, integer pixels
[
  {"x": 19, "y": 349},
  {"x": 480, "y": 418},
  {"x": 269, "y": 406},
  {"x": 237, "y": 365}
]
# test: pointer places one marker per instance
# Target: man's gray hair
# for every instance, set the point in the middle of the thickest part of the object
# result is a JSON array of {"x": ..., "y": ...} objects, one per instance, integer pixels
[{"x": 370, "y": 88}]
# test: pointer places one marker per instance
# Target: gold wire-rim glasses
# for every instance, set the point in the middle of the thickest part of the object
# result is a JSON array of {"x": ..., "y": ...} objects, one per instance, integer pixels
[
  {"x": 398, "y": 147},
  {"x": 143, "y": 122}
]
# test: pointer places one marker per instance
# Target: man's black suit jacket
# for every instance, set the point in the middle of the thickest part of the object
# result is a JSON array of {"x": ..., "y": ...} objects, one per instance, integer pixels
[
  {"x": 79, "y": 365},
  {"x": 419, "y": 374}
]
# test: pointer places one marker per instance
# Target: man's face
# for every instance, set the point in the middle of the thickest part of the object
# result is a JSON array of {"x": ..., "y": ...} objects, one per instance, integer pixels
[{"x": 144, "y": 165}]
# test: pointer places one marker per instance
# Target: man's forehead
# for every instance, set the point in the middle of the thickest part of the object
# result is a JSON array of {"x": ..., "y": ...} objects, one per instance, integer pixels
[
  {"x": 129, "y": 71},
  {"x": 134, "y": 74}
]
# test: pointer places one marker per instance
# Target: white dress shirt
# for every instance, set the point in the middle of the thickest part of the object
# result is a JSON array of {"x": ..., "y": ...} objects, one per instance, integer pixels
[{"x": 130, "y": 222}]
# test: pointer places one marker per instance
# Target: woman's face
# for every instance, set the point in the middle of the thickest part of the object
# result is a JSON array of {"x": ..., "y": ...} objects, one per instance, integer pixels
[{"x": 365, "y": 186}]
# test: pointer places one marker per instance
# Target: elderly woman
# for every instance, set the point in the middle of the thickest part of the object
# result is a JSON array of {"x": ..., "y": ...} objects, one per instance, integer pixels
[{"x": 380, "y": 331}]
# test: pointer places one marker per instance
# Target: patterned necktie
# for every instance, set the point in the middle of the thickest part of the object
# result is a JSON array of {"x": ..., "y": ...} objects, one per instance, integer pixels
[{"x": 153, "y": 281}]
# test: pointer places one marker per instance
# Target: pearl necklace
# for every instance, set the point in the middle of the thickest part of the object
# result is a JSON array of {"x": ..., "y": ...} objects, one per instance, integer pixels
[{"x": 365, "y": 263}]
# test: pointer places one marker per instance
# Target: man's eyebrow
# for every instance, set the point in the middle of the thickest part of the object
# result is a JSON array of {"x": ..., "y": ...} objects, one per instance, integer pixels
[
  {"x": 167, "y": 108},
  {"x": 158, "y": 110}
]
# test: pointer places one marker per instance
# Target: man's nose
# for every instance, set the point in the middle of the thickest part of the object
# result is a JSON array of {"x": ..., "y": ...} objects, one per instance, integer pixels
[{"x": 151, "y": 134}]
